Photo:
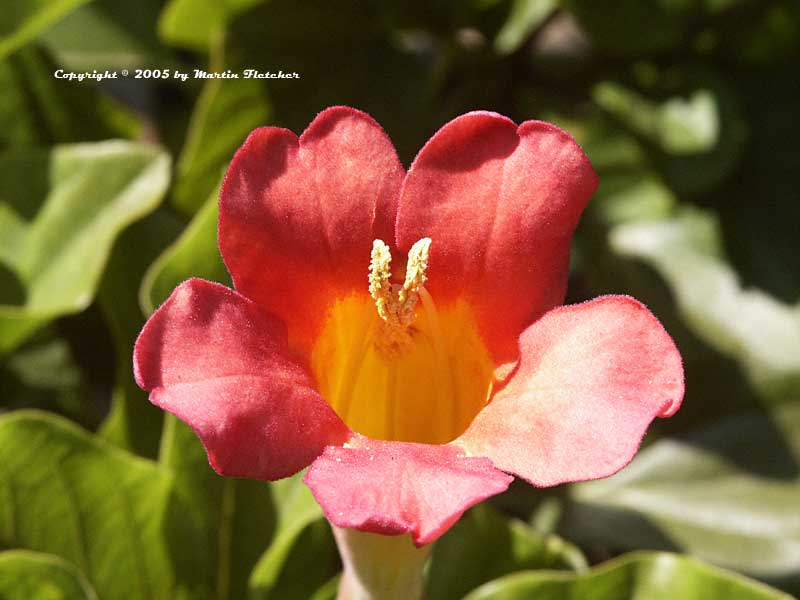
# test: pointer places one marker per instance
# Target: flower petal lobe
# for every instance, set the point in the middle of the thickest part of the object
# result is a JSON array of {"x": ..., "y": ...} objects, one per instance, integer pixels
[
  {"x": 298, "y": 216},
  {"x": 220, "y": 363},
  {"x": 500, "y": 203},
  {"x": 394, "y": 488},
  {"x": 590, "y": 380}
]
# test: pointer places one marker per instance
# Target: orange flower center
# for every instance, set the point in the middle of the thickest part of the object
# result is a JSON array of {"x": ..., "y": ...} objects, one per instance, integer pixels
[{"x": 394, "y": 366}]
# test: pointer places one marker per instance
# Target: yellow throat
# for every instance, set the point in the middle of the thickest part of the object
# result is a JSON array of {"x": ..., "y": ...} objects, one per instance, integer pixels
[{"x": 393, "y": 366}]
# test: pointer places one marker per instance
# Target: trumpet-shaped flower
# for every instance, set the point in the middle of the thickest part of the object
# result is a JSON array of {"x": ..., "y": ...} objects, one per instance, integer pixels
[{"x": 402, "y": 332}]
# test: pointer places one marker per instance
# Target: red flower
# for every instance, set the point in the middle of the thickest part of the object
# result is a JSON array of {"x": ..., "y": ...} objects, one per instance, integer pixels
[{"x": 412, "y": 393}]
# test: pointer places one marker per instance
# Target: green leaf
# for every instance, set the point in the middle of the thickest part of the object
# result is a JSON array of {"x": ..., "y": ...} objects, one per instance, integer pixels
[
  {"x": 193, "y": 254},
  {"x": 760, "y": 332},
  {"x": 484, "y": 545},
  {"x": 58, "y": 253},
  {"x": 28, "y": 575},
  {"x": 112, "y": 515},
  {"x": 525, "y": 17},
  {"x": 21, "y": 22},
  {"x": 727, "y": 493},
  {"x": 639, "y": 576}
]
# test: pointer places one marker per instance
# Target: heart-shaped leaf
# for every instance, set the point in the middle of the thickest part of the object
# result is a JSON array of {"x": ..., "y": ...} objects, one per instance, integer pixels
[{"x": 57, "y": 254}]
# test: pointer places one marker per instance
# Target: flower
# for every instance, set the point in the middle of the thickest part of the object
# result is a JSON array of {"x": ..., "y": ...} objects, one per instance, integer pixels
[{"x": 402, "y": 332}]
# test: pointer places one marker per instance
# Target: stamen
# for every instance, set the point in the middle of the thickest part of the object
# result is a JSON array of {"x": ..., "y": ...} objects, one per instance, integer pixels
[
  {"x": 395, "y": 303},
  {"x": 417, "y": 264},
  {"x": 380, "y": 272},
  {"x": 415, "y": 279}
]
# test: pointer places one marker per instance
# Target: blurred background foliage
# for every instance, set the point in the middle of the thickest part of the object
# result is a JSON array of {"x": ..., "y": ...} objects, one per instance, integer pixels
[{"x": 690, "y": 112}]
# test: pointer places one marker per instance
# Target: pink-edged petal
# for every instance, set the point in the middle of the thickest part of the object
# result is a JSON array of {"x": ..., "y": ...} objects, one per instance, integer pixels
[
  {"x": 298, "y": 216},
  {"x": 394, "y": 488},
  {"x": 500, "y": 204},
  {"x": 591, "y": 378},
  {"x": 220, "y": 363}
]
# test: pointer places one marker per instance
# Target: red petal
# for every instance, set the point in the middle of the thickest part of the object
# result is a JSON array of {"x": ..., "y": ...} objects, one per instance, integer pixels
[
  {"x": 298, "y": 216},
  {"x": 220, "y": 363},
  {"x": 393, "y": 488},
  {"x": 500, "y": 203},
  {"x": 591, "y": 378}
]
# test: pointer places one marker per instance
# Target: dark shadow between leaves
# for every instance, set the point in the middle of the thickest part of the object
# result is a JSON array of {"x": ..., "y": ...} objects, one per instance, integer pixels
[
  {"x": 215, "y": 535},
  {"x": 12, "y": 292},
  {"x": 594, "y": 524},
  {"x": 312, "y": 561},
  {"x": 24, "y": 180},
  {"x": 753, "y": 442}
]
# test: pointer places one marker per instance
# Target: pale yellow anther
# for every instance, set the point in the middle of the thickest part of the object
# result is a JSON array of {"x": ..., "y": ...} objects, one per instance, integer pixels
[
  {"x": 417, "y": 264},
  {"x": 380, "y": 273},
  {"x": 396, "y": 303}
]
